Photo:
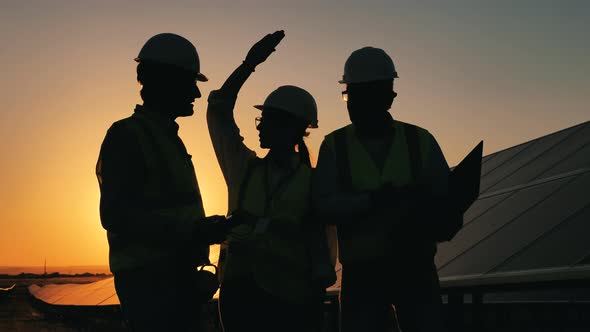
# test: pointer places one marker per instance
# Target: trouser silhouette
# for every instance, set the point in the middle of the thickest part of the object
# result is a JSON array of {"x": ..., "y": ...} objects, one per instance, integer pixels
[
  {"x": 244, "y": 306},
  {"x": 374, "y": 298},
  {"x": 159, "y": 298}
]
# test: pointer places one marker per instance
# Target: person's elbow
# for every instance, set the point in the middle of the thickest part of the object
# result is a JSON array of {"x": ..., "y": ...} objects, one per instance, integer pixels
[{"x": 112, "y": 217}]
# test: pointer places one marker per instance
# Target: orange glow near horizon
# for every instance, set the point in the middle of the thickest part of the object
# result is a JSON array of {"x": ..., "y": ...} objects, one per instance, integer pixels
[{"x": 69, "y": 74}]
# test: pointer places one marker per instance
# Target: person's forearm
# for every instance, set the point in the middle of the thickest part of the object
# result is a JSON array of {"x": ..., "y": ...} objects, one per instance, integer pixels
[
  {"x": 257, "y": 54},
  {"x": 159, "y": 227},
  {"x": 235, "y": 81},
  {"x": 145, "y": 223},
  {"x": 231, "y": 152}
]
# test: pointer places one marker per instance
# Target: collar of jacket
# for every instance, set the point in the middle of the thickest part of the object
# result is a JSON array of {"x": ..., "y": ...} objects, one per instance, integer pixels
[
  {"x": 294, "y": 161},
  {"x": 169, "y": 125},
  {"x": 390, "y": 133}
]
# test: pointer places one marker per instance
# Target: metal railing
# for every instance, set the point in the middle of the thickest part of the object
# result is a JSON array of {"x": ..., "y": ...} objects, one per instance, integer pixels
[{"x": 477, "y": 286}]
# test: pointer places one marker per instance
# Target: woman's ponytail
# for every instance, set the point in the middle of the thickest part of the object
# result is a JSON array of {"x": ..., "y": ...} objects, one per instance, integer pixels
[{"x": 304, "y": 152}]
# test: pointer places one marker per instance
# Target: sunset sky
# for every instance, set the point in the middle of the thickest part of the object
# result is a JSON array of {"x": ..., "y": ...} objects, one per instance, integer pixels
[{"x": 502, "y": 71}]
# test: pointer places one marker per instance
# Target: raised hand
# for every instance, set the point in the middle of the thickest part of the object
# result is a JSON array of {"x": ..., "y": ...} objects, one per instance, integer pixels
[{"x": 263, "y": 48}]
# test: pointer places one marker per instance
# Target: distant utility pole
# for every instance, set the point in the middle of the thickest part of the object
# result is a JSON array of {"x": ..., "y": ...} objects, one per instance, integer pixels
[{"x": 45, "y": 268}]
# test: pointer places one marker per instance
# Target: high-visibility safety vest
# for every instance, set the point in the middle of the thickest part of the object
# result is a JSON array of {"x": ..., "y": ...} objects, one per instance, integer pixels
[
  {"x": 371, "y": 236},
  {"x": 170, "y": 190},
  {"x": 274, "y": 253}
]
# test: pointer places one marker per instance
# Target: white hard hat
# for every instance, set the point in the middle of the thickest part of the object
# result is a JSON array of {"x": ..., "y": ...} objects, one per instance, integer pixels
[
  {"x": 368, "y": 64},
  {"x": 172, "y": 49},
  {"x": 293, "y": 100}
]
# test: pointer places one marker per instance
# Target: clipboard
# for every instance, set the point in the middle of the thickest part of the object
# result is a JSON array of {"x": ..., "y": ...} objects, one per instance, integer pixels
[{"x": 464, "y": 180}]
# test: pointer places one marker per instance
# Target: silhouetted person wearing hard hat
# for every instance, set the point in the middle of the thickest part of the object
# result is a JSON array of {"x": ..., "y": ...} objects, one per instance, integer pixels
[
  {"x": 150, "y": 202},
  {"x": 384, "y": 183},
  {"x": 270, "y": 281}
]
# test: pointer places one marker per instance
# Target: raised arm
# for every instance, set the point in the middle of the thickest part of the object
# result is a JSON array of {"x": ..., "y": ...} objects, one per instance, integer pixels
[
  {"x": 257, "y": 55},
  {"x": 232, "y": 154}
]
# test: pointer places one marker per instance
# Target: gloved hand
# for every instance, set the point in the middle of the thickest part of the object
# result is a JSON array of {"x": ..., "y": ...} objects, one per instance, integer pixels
[
  {"x": 242, "y": 217},
  {"x": 215, "y": 219},
  {"x": 263, "y": 48},
  {"x": 214, "y": 228}
]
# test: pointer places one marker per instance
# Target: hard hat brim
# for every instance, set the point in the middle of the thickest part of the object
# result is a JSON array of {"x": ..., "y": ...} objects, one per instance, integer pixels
[
  {"x": 262, "y": 108},
  {"x": 202, "y": 78},
  {"x": 345, "y": 82}
]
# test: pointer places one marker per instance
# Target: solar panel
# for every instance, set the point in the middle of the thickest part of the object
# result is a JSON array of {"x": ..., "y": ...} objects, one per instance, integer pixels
[
  {"x": 535, "y": 211},
  {"x": 448, "y": 250},
  {"x": 481, "y": 206},
  {"x": 541, "y": 165},
  {"x": 462, "y": 246},
  {"x": 97, "y": 293},
  {"x": 565, "y": 245},
  {"x": 525, "y": 156},
  {"x": 500, "y": 158}
]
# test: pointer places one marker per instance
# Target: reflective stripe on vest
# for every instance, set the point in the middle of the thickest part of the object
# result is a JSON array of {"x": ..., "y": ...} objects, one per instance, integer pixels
[
  {"x": 170, "y": 189},
  {"x": 276, "y": 258},
  {"x": 371, "y": 237}
]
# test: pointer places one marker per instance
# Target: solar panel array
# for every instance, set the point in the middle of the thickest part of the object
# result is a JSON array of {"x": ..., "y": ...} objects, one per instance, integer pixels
[
  {"x": 97, "y": 293},
  {"x": 533, "y": 211}
]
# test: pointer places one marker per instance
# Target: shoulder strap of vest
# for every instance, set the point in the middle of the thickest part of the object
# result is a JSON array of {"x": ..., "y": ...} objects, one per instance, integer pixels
[
  {"x": 160, "y": 168},
  {"x": 161, "y": 164},
  {"x": 413, "y": 141},
  {"x": 342, "y": 159}
]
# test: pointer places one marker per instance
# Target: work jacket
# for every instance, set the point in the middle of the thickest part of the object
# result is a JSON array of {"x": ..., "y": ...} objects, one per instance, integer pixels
[
  {"x": 383, "y": 232},
  {"x": 156, "y": 225},
  {"x": 273, "y": 251}
]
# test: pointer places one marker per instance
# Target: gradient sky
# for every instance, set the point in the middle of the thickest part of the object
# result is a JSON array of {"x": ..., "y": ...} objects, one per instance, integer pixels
[{"x": 502, "y": 71}]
